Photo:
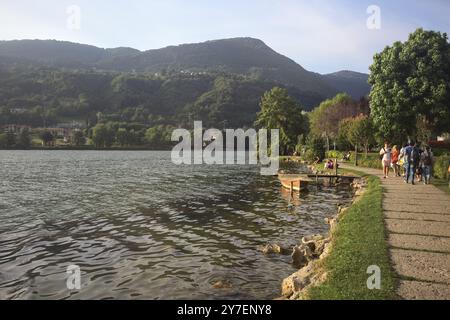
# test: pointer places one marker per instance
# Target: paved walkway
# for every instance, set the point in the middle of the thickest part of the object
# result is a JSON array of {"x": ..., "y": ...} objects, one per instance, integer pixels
[{"x": 417, "y": 220}]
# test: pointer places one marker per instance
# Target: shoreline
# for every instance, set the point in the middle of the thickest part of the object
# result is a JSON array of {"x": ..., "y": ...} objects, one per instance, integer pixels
[{"x": 310, "y": 253}]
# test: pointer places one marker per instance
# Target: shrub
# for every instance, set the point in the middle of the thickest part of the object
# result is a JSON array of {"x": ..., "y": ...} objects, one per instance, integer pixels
[
  {"x": 333, "y": 154},
  {"x": 440, "y": 167},
  {"x": 315, "y": 148}
]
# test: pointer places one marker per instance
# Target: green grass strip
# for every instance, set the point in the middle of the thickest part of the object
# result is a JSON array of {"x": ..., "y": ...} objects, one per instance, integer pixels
[{"x": 359, "y": 241}]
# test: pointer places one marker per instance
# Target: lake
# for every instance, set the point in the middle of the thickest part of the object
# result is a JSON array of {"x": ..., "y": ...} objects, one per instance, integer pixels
[{"x": 140, "y": 227}]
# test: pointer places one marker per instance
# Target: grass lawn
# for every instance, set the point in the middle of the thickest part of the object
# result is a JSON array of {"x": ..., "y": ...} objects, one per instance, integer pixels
[
  {"x": 359, "y": 241},
  {"x": 441, "y": 184}
]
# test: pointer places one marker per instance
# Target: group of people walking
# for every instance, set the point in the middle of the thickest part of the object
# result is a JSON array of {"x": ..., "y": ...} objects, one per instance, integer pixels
[{"x": 411, "y": 162}]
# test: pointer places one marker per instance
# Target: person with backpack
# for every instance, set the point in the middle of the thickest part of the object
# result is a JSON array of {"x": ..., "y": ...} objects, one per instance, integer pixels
[
  {"x": 413, "y": 157},
  {"x": 408, "y": 162},
  {"x": 427, "y": 164},
  {"x": 402, "y": 160},
  {"x": 385, "y": 156}
]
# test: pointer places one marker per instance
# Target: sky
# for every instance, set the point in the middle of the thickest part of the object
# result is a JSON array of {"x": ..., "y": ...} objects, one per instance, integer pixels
[{"x": 321, "y": 35}]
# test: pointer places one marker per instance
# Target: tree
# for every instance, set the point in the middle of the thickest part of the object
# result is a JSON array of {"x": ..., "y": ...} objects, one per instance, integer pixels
[
  {"x": 47, "y": 138},
  {"x": 78, "y": 138},
  {"x": 123, "y": 137},
  {"x": 24, "y": 139},
  {"x": 410, "y": 80},
  {"x": 159, "y": 136},
  {"x": 315, "y": 147},
  {"x": 343, "y": 134},
  {"x": 325, "y": 118},
  {"x": 103, "y": 136},
  {"x": 280, "y": 111},
  {"x": 360, "y": 132},
  {"x": 7, "y": 140}
]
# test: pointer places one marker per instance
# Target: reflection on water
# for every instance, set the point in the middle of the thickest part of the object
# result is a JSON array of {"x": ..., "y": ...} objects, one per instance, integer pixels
[{"x": 140, "y": 227}]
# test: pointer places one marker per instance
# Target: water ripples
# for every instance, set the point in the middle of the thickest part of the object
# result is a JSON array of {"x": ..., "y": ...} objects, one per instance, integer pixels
[{"x": 140, "y": 227}]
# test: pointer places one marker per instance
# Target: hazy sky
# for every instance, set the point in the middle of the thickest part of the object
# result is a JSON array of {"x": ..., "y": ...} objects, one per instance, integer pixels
[{"x": 323, "y": 35}]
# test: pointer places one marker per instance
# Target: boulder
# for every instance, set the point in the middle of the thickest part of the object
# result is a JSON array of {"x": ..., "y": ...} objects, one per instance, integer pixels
[
  {"x": 222, "y": 285},
  {"x": 296, "y": 281},
  {"x": 301, "y": 255},
  {"x": 273, "y": 248}
]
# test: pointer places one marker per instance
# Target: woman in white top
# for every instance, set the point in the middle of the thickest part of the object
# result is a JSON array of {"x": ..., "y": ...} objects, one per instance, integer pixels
[{"x": 385, "y": 155}]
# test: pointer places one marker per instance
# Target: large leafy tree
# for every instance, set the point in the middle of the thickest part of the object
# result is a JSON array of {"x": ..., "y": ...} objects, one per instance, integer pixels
[
  {"x": 411, "y": 80},
  {"x": 326, "y": 117},
  {"x": 360, "y": 132},
  {"x": 280, "y": 111}
]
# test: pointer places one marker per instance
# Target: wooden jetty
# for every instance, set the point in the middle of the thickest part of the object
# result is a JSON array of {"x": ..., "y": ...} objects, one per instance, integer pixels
[
  {"x": 331, "y": 177},
  {"x": 299, "y": 182},
  {"x": 294, "y": 182}
]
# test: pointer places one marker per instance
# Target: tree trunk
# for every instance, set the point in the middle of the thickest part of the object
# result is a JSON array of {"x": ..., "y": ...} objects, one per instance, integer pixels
[{"x": 356, "y": 155}]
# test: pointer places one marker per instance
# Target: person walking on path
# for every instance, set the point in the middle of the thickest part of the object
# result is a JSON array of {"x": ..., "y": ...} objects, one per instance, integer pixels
[
  {"x": 407, "y": 163},
  {"x": 385, "y": 155},
  {"x": 427, "y": 163},
  {"x": 412, "y": 157},
  {"x": 394, "y": 161}
]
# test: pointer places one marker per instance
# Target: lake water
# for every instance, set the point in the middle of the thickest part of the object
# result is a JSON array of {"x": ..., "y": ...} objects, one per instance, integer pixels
[{"x": 140, "y": 227}]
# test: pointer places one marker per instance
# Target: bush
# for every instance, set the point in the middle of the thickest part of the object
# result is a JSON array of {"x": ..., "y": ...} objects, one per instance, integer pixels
[
  {"x": 372, "y": 160},
  {"x": 440, "y": 167},
  {"x": 315, "y": 148},
  {"x": 334, "y": 154}
]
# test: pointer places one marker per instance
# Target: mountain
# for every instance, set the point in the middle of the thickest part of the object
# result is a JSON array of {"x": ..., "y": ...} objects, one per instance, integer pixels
[
  {"x": 353, "y": 83},
  {"x": 215, "y": 81},
  {"x": 246, "y": 56}
]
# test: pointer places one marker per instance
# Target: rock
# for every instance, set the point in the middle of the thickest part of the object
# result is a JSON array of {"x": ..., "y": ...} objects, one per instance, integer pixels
[
  {"x": 296, "y": 281},
  {"x": 314, "y": 237},
  {"x": 222, "y": 285},
  {"x": 326, "y": 250},
  {"x": 320, "y": 246},
  {"x": 273, "y": 248},
  {"x": 301, "y": 255}
]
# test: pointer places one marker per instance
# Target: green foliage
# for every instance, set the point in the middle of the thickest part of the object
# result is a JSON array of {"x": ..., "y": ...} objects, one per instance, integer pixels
[
  {"x": 440, "y": 167},
  {"x": 334, "y": 154},
  {"x": 325, "y": 118},
  {"x": 360, "y": 132},
  {"x": 315, "y": 148},
  {"x": 24, "y": 139},
  {"x": 159, "y": 136},
  {"x": 410, "y": 80},
  {"x": 371, "y": 160},
  {"x": 4, "y": 140},
  {"x": 103, "y": 136},
  {"x": 280, "y": 111},
  {"x": 47, "y": 96},
  {"x": 78, "y": 138}
]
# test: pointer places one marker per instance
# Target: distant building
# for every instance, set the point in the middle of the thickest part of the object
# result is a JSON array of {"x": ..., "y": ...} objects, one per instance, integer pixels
[
  {"x": 14, "y": 128},
  {"x": 17, "y": 110}
]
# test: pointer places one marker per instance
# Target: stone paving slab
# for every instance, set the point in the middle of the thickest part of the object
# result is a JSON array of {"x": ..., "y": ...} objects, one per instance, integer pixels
[
  {"x": 418, "y": 290},
  {"x": 418, "y": 227},
  {"x": 420, "y": 265},
  {"x": 417, "y": 216},
  {"x": 405, "y": 196},
  {"x": 395, "y": 206},
  {"x": 430, "y": 243}
]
